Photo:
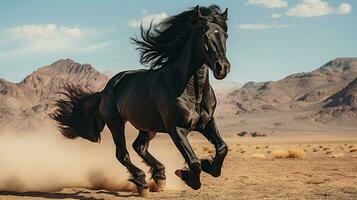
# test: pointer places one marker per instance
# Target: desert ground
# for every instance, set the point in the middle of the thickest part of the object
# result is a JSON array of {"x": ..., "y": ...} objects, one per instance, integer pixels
[{"x": 46, "y": 166}]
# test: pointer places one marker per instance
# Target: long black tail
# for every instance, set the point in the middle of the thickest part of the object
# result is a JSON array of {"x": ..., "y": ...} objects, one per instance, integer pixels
[{"x": 78, "y": 115}]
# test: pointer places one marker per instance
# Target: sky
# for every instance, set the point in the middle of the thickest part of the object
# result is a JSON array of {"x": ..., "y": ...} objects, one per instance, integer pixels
[{"x": 268, "y": 39}]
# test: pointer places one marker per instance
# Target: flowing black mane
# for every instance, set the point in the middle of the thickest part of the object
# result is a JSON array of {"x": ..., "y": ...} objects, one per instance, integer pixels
[{"x": 162, "y": 43}]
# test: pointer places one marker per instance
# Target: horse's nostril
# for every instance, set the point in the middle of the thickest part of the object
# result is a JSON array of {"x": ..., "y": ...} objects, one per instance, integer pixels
[{"x": 218, "y": 66}]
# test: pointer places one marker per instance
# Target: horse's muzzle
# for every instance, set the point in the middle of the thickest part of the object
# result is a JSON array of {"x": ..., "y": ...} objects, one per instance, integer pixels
[{"x": 221, "y": 69}]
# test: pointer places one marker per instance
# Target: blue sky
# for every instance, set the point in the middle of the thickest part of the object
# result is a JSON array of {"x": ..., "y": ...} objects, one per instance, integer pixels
[{"x": 268, "y": 39}]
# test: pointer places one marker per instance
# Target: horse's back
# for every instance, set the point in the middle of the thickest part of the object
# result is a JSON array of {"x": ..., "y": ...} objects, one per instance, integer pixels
[{"x": 115, "y": 80}]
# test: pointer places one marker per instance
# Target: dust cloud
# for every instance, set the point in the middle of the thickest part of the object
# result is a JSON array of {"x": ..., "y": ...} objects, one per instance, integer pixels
[{"x": 44, "y": 161}]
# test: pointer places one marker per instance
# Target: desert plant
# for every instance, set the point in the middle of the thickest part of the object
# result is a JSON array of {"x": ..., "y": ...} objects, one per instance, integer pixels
[
  {"x": 353, "y": 150},
  {"x": 291, "y": 153},
  {"x": 258, "y": 156},
  {"x": 329, "y": 152}
]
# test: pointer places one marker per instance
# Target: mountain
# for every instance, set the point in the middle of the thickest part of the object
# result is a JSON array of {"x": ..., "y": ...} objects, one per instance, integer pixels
[
  {"x": 325, "y": 95},
  {"x": 297, "y": 90},
  {"x": 346, "y": 97},
  {"x": 27, "y": 103},
  {"x": 341, "y": 107}
]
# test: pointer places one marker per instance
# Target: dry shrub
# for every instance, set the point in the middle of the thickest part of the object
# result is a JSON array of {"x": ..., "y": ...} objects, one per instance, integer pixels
[
  {"x": 268, "y": 151},
  {"x": 329, "y": 152},
  {"x": 339, "y": 155},
  {"x": 280, "y": 154},
  {"x": 291, "y": 153},
  {"x": 315, "y": 150},
  {"x": 353, "y": 150},
  {"x": 321, "y": 146},
  {"x": 326, "y": 149},
  {"x": 258, "y": 156},
  {"x": 351, "y": 146},
  {"x": 266, "y": 146},
  {"x": 296, "y": 153},
  {"x": 242, "y": 151},
  {"x": 308, "y": 145},
  {"x": 257, "y": 147}
]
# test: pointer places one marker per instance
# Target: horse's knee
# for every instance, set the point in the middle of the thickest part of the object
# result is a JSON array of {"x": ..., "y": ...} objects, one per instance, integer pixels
[
  {"x": 123, "y": 157},
  {"x": 139, "y": 148}
]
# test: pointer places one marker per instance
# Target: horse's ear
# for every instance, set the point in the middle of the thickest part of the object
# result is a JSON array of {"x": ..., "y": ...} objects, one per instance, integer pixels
[
  {"x": 225, "y": 14},
  {"x": 199, "y": 14}
]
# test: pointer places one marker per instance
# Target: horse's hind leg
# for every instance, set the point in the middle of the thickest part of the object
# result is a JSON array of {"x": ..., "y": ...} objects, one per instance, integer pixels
[
  {"x": 117, "y": 126},
  {"x": 141, "y": 145}
]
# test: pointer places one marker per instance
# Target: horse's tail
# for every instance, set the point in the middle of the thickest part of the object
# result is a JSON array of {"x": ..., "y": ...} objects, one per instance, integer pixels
[{"x": 78, "y": 115}]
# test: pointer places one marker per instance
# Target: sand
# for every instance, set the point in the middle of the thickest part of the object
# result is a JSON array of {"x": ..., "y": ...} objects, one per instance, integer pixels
[{"x": 327, "y": 170}]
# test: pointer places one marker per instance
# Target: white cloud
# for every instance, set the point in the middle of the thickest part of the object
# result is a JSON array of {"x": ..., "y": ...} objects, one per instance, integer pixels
[
  {"x": 145, "y": 21},
  {"x": 276, "y": 15},
  {"x": 259, "y": 27},
  {"x": 46, "y": 38},
  {"x": 269, "y": 3},
  {"x": 314, "y": 8},
  {"x": 45, "y": 31},
  {"x": 344, "y": 9}
]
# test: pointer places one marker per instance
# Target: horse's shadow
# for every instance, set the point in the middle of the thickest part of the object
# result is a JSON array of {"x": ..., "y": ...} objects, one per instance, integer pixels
[{"x": 58, "y": 195}]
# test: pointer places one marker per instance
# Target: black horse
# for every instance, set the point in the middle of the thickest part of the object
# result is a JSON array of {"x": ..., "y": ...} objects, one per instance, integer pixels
[{"x": 174, "y": 96}]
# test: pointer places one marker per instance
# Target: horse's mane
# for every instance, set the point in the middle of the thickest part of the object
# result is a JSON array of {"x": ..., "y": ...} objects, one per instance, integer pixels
[{"x": 162, "y": 43}]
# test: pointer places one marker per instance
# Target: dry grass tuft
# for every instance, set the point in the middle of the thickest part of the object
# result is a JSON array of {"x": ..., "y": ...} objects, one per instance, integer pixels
[
  {"x": 315, "y": 150},
  {"x": 242, "y": 151},
  {"x": 353, "y": 150},
  {"x": 296, "y": 153},
  {"x": 268, "y": 151},
  {"x": 257, "y": 147},
  {"x": 291, "y": 153},
  {"x": 258, "y": 156},
  {"x": 329, "y": 152},
  {"x": 339, "y": 155},
  {"x": 280, "y": 154},
  {"x": 326, "y": 149}
]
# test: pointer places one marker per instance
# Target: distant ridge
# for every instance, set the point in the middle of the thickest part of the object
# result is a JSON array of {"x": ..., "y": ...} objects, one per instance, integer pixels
[{"x": 26, "y": 103}]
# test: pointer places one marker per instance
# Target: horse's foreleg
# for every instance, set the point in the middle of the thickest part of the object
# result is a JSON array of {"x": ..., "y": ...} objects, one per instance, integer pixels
[
  {"x": 213, "y": 166},
  {"x": 141, "y": 145},
  {"x": 192, "y": 175},
  {"x": 138, "y": 176}
]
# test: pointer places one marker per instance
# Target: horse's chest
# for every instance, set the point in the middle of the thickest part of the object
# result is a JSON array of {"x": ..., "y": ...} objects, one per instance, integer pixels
[{"x": 192, "y": 115}]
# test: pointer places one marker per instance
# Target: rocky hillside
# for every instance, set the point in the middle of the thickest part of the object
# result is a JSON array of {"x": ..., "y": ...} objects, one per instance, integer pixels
[
  {"x": 298, "y": 90},
  {"x": 340, "y": 108},
  {"x": 27, "y": 103}
]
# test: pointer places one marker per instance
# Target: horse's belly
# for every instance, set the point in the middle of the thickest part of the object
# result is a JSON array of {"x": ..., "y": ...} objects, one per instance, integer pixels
[{"x": 141, "y": 115}]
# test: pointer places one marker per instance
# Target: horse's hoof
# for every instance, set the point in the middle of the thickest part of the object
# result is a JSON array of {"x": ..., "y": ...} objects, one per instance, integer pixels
[
  {"x": 157, "y": 185},
  {"x": 143, "y": 192},
  {"x": 179, "y": 171},
  {"x": 161, "y": 184}
]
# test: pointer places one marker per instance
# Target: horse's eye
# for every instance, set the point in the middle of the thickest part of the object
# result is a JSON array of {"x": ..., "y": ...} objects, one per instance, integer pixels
[{"x": 216, "y": 31}]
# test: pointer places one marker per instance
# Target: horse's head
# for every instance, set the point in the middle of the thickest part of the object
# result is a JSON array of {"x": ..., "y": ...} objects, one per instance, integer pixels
[{"x": 214, "y": 32}]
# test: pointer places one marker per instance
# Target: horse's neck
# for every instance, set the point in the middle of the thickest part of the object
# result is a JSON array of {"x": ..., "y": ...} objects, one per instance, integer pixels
[
  {"x": 200, "y": 82},
  {"x": 187, "y": 65}
]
